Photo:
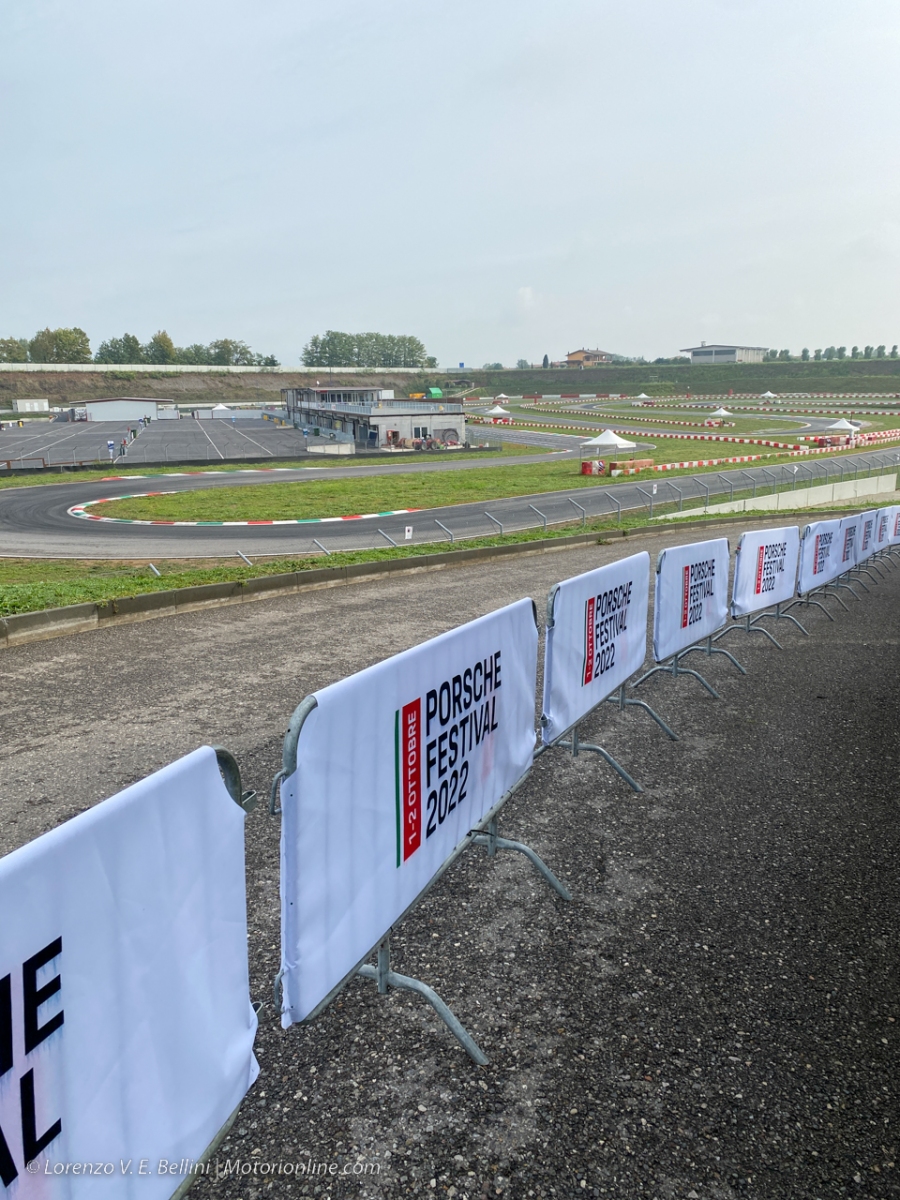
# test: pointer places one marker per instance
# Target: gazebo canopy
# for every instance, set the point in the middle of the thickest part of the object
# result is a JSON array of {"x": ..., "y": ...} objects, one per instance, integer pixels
[
  {"x": 607, "y": 440},
  {"x": 497, "y": 411},
  {"x": 721, "y": 412},
  {"x": 843, "y": 425},
  {"x": 643, "y": 396},
  {"x": 767, "y": 396}
]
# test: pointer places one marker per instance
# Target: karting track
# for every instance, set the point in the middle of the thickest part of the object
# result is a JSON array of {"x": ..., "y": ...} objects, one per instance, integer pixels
[{"x": 35, "y": 521}]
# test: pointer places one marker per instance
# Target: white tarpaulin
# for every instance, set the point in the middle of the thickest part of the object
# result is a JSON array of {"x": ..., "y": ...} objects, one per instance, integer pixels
[
  {"x": 691, "y": 595},
  {"x": 126, "y": 1030},
  {"x": 394, "y": 766},
  {"x": 848, "y": 543},
  {"x": 895, "y": 525},
  {"x": 819, "y": 555},
  {"x": 866, "y": 547},
  {"x": 597, "y": 640},
  {"x": 884, "y": 524},
  {"x": 765, "y": 569},
  {"x": 608, "y": 440}
]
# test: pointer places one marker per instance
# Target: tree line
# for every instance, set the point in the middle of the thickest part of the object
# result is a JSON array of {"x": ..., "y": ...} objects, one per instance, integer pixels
[
  {"x": 831, "y": 353},
  {"x": 335, "y": 349},
  {"x": 73, "y": 346}
]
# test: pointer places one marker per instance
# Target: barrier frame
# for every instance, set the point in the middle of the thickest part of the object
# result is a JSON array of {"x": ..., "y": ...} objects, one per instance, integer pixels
[
  {"x": 569, "y": 737},
  {"x": 484, "y": 833},
  {"x": 748, "y": 623}
]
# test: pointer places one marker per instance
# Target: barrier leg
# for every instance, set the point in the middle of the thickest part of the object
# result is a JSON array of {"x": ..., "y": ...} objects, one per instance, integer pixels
[
  {"x": 622, "y": 702},
  {"x": 750, "y": 627},
  {"x": 837, "y": 583},
  {"x": 673, "y": 668},
  {"x": 709, "y": 649},
  {"x": 778, "y": 615},
  {"x": 494, "y": 842},
  {"x": 604, "y": 754},
  {"x": 385, "y": 978}
]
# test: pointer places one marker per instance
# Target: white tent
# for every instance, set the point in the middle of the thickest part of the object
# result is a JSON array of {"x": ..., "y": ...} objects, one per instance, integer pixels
[
  {"x": 502, "y": 396},
  {"x": 497, "y": 411},
  {"x": 721, "y": 412},
  {"x": 843, "y": 426},
  {"x": 607, "y": 440},
  {"x": 221, "y": 410},
  {"x": 643, "y": 396},
  {"x": 767, "y": 396}
]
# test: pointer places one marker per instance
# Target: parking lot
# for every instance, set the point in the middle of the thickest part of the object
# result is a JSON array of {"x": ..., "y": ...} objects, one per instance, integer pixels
[{"x": 48, "y": 443}]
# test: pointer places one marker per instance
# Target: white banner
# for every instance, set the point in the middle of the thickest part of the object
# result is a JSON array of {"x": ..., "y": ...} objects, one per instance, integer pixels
[
  {"x": 126, "y": 1031},
  {"x": 598, "y": 639},
  {"x": 895, "y": 525},
  {"x": 848, "y": 543},
  {"x": 884, "y": 524},
  {"x": 691, "y": 595},
  {"x": 394, "y": 766},
  {"x": 819, "y": 555},
  {"x": 765, "y": 569},
  {"x": 867, "y": 523}
]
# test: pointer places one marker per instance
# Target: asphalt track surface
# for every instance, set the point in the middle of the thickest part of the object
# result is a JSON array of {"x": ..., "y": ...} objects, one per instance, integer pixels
[
  {"x": 35, "y": 521},
  {"x": 186, "y": 440},
  {"x": 715, "y": 1015}
]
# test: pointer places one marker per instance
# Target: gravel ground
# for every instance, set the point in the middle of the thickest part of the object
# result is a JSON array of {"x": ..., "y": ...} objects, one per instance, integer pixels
[{"x": 714, "y": 1015}]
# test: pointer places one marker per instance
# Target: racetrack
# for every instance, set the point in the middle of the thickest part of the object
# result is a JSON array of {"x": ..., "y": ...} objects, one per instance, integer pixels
[{"x": 35, "y": 521}]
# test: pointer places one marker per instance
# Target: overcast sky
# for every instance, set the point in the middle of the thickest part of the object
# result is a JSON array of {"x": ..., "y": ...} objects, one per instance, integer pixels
[{"x": 502, "y": 178}]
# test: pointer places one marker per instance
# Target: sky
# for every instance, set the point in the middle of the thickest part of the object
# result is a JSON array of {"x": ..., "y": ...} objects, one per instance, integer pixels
[{"x": 503, "y": 178}]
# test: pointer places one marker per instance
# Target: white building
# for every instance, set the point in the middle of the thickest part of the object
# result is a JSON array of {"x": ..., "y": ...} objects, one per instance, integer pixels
[
  {"x": 127, "y": 408},
  {"x": 373, "y": 419},
  {"x": 707, "y": 356},
  {"x": 23, "y": 406}
]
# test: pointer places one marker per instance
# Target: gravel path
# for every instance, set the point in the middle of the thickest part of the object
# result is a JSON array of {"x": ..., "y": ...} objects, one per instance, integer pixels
[{"x": 714, "y": 1015}]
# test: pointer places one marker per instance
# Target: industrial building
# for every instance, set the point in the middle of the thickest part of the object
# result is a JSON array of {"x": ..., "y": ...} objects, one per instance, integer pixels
[
  {"x": 23, "y": 406},
  {"x": 128, "y": 408},
  {"x": 372, "y": 419},
  {"x": 706, "y": 356}
]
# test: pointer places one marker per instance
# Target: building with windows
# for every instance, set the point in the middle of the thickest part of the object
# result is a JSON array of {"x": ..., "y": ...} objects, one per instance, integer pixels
[
  {"x": 709, "y": 355},
  {"x": 372, "y": 419},
  {"x": 584, "y": 358}
]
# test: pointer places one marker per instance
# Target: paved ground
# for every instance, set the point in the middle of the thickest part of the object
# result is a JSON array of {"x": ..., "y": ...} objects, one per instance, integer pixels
[
  {"x": 34, "y": 522},
  {"x": 163, "y": 441},
  {"x": 714, "y": 1016}
]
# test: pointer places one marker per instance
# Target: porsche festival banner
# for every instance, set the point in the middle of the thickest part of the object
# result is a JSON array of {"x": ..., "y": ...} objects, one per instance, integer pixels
[
  {"x": 691, "y": 595},
  {"x": 884, "y": 524},
  {"x": 126, "y": 1030},
  {"x": 394, "y": 766},
  {"x": 821, "y": 548},
  {"x": 895, "y": 525},
  {"x": 765, "y": 569},
  {"x": 597, "y": 640},
  {"x": 848, "y": 542},
  {"x": 866, "y": 547}
]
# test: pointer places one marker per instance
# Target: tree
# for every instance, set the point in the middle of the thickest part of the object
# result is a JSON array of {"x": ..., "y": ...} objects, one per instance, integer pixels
[
  {"x": 160, "y": 349},
  {"x": 818, "y": 355},
  {"x": 60, "y": 346},
  {"x": 842, "y": 351},
  {"x": 13, "y": 350},
  {"x": 804, "y": 355},
  {"x": 126, "y": 349},
  {"x": 854, "y": 352},
  {"x": 492, "y": 367},
  {"x": 336, "y": 349},
  {"x": 546, "y": 362},
  {"x": 868, "y": 352},
  {"x": 894, "y": 350},
  {"x": 880, "y": 351},
  {"x": 830, "y": 353},
  {"x": 523, "y": 364},
  {"x": 784, "y": 355}
]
